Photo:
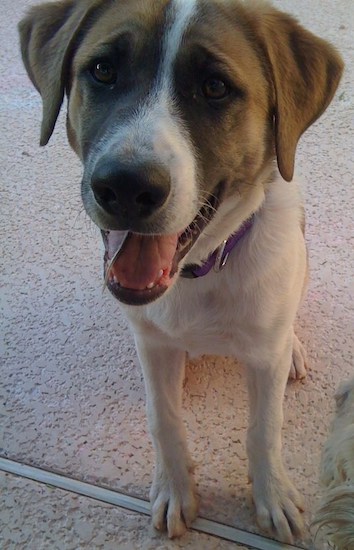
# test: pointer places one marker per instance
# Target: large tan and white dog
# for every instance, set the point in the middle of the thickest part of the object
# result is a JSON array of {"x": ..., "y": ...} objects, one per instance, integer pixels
[{"x": 178, "y": 110}]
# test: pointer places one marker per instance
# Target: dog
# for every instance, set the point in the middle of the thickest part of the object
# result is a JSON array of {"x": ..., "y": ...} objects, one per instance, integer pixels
[
  {"x": 335, "y": 515},
  {"x": 186, "y": 116}
]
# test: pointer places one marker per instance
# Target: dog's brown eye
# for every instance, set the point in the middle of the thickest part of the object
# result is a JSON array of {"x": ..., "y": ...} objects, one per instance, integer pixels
[
  {"x": 215, "y": 88},
  {"x": 104, "y": 72}
]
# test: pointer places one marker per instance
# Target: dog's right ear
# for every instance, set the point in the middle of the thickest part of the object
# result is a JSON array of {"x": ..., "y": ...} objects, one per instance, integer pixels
[
  {"x": 305, "y": 72},
  {"x": 48, "y": 36}
]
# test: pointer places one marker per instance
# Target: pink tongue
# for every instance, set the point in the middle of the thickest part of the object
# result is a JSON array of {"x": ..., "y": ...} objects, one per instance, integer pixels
[{"x": 142, "y": 259}]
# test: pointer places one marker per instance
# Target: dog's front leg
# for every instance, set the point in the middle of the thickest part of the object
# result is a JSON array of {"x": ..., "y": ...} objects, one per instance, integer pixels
[
  {"x": 172, "y": 493},
  {"x": 278, "y": 504}
]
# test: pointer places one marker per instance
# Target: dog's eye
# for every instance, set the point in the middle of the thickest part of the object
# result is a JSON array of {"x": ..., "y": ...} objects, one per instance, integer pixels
[
  {"x": 104, "y": 72},
  {"x": 215, "y": 88}
]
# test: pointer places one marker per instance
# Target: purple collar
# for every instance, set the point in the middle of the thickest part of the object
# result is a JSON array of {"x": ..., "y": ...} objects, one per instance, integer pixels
[{"x": 219, "y": 257}]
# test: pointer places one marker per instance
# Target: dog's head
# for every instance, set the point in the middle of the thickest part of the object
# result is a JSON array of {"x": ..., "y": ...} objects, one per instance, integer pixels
[{"x": 173, "y": 106}]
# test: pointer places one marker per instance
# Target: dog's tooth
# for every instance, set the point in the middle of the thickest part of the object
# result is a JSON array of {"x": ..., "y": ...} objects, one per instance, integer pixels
[
  {"x": 160, "y": 274},
  {"x": 150, "y": 286}
]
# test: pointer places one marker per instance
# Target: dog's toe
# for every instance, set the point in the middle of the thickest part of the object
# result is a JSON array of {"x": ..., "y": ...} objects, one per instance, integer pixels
[
  {"x": 298, "y": 363},
  {"x": 174, "y": 506},
  {"x": 279, "y": 507}
]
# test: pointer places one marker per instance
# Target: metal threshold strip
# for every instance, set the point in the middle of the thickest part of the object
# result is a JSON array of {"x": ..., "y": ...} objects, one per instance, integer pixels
[{"x": 136, "y": 505}]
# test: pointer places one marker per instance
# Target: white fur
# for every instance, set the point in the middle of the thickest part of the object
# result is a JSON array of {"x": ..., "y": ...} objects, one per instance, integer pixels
[
  {"x": 179, "y": 17},
  {"x": 335, "y": 515},
  {"x": 247, "y": 311}
]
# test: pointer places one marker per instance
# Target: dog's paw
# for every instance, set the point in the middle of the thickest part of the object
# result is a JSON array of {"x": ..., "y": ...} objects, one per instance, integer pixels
[
  {"x": 174, "y": 503},
  {"x": 279, "y": 506},
  {"x": 298, "y": 363}
]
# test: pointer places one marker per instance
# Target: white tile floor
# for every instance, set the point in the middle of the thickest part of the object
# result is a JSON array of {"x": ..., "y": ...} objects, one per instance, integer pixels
[{"x": 72, "y": 396}]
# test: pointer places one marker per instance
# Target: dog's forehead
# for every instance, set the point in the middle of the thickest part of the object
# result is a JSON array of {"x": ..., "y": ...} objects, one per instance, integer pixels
[
  {"x": 220, "y": 28},
  {"x": 172, "y": 25},
  {"x": 144, "y": 20}
]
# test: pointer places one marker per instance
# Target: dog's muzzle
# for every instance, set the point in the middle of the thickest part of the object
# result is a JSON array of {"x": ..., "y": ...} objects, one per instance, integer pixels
[{"x": 140, "y": 266}]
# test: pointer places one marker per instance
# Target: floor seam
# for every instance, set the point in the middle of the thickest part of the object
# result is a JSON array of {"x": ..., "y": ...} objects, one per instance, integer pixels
[{"x": 134, "y": 504}]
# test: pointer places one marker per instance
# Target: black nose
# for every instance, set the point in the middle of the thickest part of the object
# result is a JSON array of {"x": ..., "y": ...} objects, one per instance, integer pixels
[{"x": 129, "y": 192}]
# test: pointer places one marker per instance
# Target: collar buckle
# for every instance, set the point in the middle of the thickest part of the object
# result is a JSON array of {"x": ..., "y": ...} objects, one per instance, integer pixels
[{"x": 221, "y": 257}]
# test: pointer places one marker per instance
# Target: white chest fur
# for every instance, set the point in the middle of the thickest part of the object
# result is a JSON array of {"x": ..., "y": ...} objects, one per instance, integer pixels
[{"x": 222, "y": 313}]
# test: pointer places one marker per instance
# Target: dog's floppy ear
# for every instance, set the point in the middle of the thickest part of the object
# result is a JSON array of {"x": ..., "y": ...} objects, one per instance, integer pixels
[
  {"x": 47, "y": 35},
  {"x": 305, "y": 71}
]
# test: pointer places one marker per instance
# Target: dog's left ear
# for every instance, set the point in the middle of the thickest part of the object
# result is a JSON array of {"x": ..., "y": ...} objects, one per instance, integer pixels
[
  {"x": 48, "y": 35},
  {"x": 305, "y": 71}
]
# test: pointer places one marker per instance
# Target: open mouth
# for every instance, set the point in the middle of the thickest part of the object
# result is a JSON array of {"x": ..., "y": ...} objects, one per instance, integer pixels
[{"x": 139, "y": 268}]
